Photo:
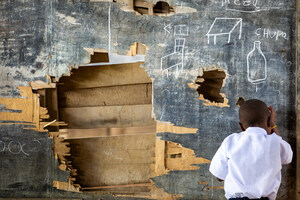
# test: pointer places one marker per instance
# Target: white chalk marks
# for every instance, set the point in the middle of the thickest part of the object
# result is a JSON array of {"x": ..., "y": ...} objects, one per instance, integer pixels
[
  {"x": 247, "y": 6},
  {"x": 225, "y": 26},
  {"x": 16, "y": 147},
  {"x": 175, "y": 59},
  {"x": 167, "y": 29},
  {"x": 256, "y": 65},
  {"x": 289, "y": 63},
  {"x": 268, "y": 33},
  {"x": 181, "y": 30},
  {"x": 241, "y": 5},
  {"x": 174, "y": 62},
  {"x": 108, "y": 26}
]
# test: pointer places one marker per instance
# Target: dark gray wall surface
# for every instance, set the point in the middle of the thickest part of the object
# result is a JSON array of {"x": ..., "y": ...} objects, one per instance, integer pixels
[
  {"x": 28, "y": 166},
  {"x": 42, "y": 37}
]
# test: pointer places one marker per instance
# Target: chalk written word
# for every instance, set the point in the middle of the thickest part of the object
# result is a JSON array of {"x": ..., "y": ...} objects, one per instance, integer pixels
[
  {"x": 167, "y": 29},
  {"x": 247, "y": 6},
  {"x": 244, "y": 3},
  {"x": 16, "y": 147},
  {"x": 267, "y": 33}
]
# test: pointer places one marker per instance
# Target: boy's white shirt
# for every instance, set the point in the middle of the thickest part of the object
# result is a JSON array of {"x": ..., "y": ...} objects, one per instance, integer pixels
[{"x": 250, "y": 163}]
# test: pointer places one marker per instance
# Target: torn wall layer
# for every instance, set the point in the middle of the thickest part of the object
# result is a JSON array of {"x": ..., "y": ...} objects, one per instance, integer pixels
[
  {"x": 169, "y": 156},
  {"x": 32, "y": 109},
  {"x": 91, "y": 80},
  {"x": 37, "y": 116}
]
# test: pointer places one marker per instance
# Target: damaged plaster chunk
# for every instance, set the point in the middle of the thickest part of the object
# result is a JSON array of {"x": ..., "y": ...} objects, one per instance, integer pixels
[
  {"x": 169, "y": 127},
  {"x": 67, "y": 186},
  {"x": 69, "y": 19},
  {"x": 38, "y": 84},
  {"x": 98, "y": 57},
  {"x": 27, "y": 104},
  {"x": 209, "y": 84},
  {"x": 170, "y": 156},
  {"x": 115, "y": 59},
  {"x": 138, "y": 49},
  {"x": 184, "y": 9}
]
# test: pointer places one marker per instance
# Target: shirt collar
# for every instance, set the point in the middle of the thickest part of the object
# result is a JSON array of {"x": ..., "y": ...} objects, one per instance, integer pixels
[{"x": 256, "y": 130}]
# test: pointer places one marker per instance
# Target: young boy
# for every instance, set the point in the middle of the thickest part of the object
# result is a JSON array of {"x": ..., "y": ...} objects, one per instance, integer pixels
[{"x": 250, "y": 162}]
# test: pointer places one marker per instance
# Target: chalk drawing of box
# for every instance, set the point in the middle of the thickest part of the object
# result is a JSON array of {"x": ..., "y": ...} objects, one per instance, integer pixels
[{"x": 224, "y": 26}]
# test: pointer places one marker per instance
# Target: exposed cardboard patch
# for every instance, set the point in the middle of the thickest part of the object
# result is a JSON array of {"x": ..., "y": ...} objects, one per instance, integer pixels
[
  {"x": 97, "y": 55},
  {"x": 169, "y": 127},
  {"x": 184, "y": 9},
  {"x": 171, "y": 156},
  {"x": 155, "y": 193},
  {"x": 137, "y": 49},
  {"x": 203, "y": 182},
  {"x": 29, "y": 106},
  {"x": 68, "y": 186},
  {"x": 38, "y": 84}
]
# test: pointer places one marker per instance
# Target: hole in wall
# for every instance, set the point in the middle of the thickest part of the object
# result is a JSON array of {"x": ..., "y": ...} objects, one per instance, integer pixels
[
  {"x": 111, "y": 132},
  {"x": 145, "y": 8},
  {"x": 99, "y": 57},
  {"x": 161, "y": 7},
  {"x": 209, "y": 85}
]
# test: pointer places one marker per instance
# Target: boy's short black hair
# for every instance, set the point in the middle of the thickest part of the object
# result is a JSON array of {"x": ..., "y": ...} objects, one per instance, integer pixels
[{"x": 253, "y": 112}]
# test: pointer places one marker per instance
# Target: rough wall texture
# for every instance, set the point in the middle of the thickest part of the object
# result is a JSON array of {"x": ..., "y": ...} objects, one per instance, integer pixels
[{"x": 42, "y": 38}]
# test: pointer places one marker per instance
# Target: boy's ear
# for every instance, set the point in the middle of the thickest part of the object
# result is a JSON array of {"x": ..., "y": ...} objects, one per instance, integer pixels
[
  {"x": 241, "y": 126},
  {"x": 269, "y": 121}
]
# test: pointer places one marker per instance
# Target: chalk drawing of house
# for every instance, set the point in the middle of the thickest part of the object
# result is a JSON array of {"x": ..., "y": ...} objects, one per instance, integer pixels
[
  {"x": 175, "y": 59},
  {"x": 224, "y": 26}
]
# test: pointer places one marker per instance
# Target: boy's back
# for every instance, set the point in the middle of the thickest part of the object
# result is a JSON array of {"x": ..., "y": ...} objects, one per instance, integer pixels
[{"x": 250, "y": 162}]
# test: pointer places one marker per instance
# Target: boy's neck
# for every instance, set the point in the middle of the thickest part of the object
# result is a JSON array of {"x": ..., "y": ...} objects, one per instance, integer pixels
[{"x": 265, "y": 127}]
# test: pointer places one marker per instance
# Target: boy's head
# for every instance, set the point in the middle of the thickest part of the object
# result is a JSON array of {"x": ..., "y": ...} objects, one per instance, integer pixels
[{"x": 254, "y": 113}]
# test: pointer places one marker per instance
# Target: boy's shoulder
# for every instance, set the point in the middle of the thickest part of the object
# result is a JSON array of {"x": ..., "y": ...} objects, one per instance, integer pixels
[
  {"x": 233, "y": 137},
  {"x": 237, "y": 137}
]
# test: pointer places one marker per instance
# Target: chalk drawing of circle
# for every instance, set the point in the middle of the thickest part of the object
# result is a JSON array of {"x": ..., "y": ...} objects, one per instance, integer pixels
[
  {"x": 18, "y": 144},
  {"x": 2, "y": 144},
  {"x": 37, "y": 146}
]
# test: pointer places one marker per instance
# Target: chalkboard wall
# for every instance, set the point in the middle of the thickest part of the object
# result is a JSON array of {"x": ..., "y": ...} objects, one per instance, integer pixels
[{"x": 252, "y": 41}]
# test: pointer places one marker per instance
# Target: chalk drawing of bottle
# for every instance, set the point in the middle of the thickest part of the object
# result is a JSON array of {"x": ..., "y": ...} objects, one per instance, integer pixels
[{"x": 256, "y": 64}]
